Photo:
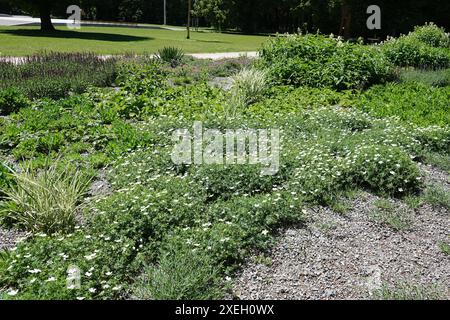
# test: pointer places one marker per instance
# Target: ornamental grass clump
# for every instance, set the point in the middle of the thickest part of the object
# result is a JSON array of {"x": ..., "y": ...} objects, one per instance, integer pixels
[{"x": 44, "y": 200}]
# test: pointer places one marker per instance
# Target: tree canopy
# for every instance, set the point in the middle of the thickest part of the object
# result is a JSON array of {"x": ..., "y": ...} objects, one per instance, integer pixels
[{"x": 255, "y": 16}]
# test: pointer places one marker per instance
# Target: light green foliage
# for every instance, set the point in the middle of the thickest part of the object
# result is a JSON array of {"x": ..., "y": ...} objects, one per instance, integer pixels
[
  {"x": 44, "y": 201},
  {"x": 417, "y": 103},
  {"x": 182, "y": 273},
  {"x": 435, "y": 78},
  {"x": 437, "y": 196},
  {"x": 249, "y": 86},
  {"x": 432, "y": 35},
  {"x": 428, "y": 47}
]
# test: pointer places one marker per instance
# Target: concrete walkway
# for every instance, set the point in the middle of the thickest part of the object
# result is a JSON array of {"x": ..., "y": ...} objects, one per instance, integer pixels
[{"x": 224, "y": 55}]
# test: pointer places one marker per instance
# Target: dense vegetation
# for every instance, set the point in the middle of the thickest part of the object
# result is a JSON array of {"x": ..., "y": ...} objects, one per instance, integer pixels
[
  {"x": 170, "y": 231},
  {"x": 56, "y": 75},
  {"x": 346, "y": 17}
]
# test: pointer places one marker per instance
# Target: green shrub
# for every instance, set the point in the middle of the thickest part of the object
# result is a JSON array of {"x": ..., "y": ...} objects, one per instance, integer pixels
[
  {"x": 222, "y": 181},
  {"x": 408, "y": 51},
  {"x": 432, "y": 35},
  {"x": 319, "y": 61},
  {"x": 44, "y": 201},
  {"x": 11, "y": 100},
  {"x": 38, "y": 269},
  {"x": 384, "y": 169}
]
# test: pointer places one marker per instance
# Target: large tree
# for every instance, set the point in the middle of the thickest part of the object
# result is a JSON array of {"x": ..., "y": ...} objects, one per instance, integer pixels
[{"x": 43, "y": 8}]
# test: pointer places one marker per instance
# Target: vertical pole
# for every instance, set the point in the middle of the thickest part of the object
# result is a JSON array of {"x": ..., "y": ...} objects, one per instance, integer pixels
[
  {"x": 189, "y": 19},
  {"x": 165, "y": 12}
]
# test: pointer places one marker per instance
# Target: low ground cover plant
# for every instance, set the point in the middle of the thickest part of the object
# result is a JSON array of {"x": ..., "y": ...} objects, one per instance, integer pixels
[
  {"x": 435, "y": 78},
  {"x": 414, "y": 102}
]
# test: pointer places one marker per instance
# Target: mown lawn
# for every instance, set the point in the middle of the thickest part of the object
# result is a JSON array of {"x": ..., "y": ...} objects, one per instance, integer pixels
[{"x": 24, "y": 40}]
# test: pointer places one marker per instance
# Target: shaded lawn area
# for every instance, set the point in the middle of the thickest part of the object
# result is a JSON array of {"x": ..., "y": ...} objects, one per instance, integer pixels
[{"x": 24, "y": 40}]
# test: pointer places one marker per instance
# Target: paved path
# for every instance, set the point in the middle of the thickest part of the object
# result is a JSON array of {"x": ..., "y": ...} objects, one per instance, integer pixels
[{"x": 225, "y": 55}]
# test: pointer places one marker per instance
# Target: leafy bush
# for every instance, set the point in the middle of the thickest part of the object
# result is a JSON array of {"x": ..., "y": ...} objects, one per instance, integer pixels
[
  {"x": 55, "y": 75},
  {"x": 105, "y": 263},
  {"x": 318, "y": 61},
  {"x": 11, "y": 100},
  {"x": 171, "y": 55},
  {"x": 44, "y": 201},
  {"x": 386, "y": 169},
  {"x": 414, "y": 102},
  {"x": 409, "y": 51},
  {"x": 432, "y": 35}
]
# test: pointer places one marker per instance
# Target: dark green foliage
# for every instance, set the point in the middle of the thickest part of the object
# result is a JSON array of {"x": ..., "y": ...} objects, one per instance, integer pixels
[
  {"x": 171, "y": 55},
  {"x": 11, "y": 100}
]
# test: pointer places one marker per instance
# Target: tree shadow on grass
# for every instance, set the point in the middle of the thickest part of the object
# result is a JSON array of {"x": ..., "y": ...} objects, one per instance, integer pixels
[{"x": 97, "y": 36}]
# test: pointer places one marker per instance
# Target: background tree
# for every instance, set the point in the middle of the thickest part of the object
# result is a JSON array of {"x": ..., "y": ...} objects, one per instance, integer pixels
[{"x": 346, "y": 17}]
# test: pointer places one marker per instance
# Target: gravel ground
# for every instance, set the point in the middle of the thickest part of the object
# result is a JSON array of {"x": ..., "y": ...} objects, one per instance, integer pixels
[
  {"x": 10, "y": 237},
  {"x": 351, "y": 256}
]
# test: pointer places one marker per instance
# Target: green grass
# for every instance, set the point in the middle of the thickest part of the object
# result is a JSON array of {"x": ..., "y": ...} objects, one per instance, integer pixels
[
  {"x": 24, "y": 40},
  {"x": 407, "y": 291}
]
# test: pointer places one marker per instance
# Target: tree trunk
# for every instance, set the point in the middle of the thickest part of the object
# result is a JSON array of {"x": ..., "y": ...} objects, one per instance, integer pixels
[
  {"x": 46, "y": 21},
  {"x": 189, "y": 19},
  {"x": 346, "y": 19}
]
